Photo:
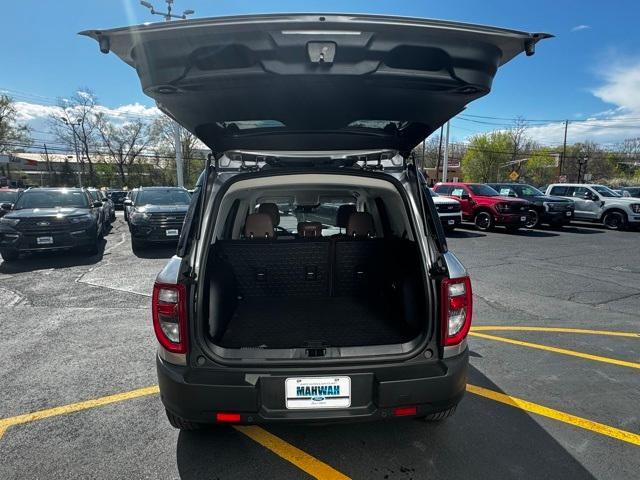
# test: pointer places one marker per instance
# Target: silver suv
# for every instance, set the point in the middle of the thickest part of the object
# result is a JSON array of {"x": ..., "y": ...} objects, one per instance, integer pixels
[{"x": 598, "y": 203}]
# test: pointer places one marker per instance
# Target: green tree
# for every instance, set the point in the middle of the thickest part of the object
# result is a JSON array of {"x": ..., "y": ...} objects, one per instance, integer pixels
[
  {"x": 540, "y": 168},
  {"x": 13, "y": 135},
  {"x": 485, "y": 158}
]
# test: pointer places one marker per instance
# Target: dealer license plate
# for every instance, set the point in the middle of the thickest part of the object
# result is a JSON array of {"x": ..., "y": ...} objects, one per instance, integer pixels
[
  {"x": 172, "y": 232},
  {"x": 44, "y": 240},
  {"x": 318, "y": 392}
]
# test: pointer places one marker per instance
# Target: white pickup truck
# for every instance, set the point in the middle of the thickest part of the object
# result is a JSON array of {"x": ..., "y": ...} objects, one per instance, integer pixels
[{"x": 598, "y": 203}]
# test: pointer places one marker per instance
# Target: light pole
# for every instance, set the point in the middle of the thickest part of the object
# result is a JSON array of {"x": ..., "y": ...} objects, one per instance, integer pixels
[
  {"x": 167, "y": 15},
  {"x": 177, "y": 129},
  {"x": 73, "y": 126}
]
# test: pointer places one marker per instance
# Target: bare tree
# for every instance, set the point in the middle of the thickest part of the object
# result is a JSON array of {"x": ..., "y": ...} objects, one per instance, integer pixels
[
  {"x": 162, "y": 132},
  {"x": 75, "y": 125},
  {"x": 13, "y": 136},
  {"x": 518, "y": 140},
  {"x": 124, "y": 143}
]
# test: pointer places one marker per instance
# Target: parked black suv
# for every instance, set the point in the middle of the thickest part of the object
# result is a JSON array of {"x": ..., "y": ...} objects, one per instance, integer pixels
[
  {"x": 118, "y": 197},
  {"x": 544, "y": 209},
  {"x": 258, "y": 321},
  {"x": 157, "y": 215},
  {"x": 51, "y": 219}
]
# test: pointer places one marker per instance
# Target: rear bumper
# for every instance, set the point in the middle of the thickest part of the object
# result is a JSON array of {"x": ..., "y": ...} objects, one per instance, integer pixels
[{"x": 259, "y": 397}]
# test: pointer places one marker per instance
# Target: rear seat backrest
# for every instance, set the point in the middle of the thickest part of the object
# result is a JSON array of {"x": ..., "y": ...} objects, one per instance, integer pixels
[
  {"x": 258, "y": 225},
  {"x": 360, "y": 225},
  {"x": 343, "y": 215},
  {"x": 278, "y": 269}
]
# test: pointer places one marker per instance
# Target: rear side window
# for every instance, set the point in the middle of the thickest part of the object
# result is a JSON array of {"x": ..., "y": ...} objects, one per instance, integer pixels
[
  {"x": 577, "y": 191},
  {"x": 559, "y": 190}
]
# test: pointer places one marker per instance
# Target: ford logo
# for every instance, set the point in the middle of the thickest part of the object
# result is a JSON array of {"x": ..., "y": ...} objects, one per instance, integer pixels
[
  {"x": 43, "y": 224},
  {"x": 317, "y": 399}
]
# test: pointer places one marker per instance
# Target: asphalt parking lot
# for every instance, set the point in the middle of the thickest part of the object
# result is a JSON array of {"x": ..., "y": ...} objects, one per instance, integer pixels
[{"x": 554, "y": 385}]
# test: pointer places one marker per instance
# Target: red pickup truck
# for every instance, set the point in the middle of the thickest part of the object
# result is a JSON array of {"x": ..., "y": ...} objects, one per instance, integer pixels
[{"x": 484, "y": 206}]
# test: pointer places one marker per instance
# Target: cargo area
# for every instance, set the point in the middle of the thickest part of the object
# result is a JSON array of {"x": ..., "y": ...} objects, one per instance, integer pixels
[{"x": 314, "y": 292}]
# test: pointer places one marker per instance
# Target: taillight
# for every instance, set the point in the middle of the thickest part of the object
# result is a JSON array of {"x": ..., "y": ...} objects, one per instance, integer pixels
[
  {"x": 457, "y": 303},
  {"x": 170, "y": 316}
]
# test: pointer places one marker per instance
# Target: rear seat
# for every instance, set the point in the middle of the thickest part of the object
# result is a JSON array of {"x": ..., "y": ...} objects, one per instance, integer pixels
[
  {"x": 310, "y": 266},
  {"x": 359, "y": 258}
]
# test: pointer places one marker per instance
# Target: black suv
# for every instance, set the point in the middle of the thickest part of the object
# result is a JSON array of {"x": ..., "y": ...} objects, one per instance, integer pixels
[
  {"x": 544, "y": 209},
  {"x": 264, "y": 314},
  {"x": 118, "y": 197},
  {"x": 157, "y": 214},
  {"x": 51, "y": 219}
]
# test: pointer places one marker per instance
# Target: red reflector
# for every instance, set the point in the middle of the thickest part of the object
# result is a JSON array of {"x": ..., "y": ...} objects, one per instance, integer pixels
[
  {"x": 227, "y": 417},
  {"x": 404, "y": 411}
]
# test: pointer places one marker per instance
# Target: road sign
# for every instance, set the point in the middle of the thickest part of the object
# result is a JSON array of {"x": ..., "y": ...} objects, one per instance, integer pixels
[{"x": 514, "y": 176}]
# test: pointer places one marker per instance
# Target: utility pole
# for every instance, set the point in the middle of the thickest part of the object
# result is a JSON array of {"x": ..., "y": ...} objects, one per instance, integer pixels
[
  {"x": 177, "y": 129},
  {"x": 439, "y": 154},
  {"x": 564, "y": 149},
  {"x": 445, "y": 160}
]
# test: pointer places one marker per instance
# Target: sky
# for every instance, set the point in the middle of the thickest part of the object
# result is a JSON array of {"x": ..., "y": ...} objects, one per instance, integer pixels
[{"x": 589, "y": 73}]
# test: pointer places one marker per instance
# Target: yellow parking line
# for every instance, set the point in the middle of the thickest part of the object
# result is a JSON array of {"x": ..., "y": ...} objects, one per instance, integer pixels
[
  {"x": 294, "y": 455},
  {"x": 562, "y": 351},
  {"x": 495, "y": 328},
  {"x": 580, "y": 422},
  {"x": 75, "y": 407}
]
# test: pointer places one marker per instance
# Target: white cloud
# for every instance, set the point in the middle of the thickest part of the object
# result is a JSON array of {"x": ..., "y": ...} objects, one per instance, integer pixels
[
  {"x": 29, "y": 112},
  {"x": 577, "y": 28}
]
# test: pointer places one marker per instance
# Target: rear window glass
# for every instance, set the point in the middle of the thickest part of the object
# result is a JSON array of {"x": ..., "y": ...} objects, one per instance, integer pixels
[
  {"x": 251, "y": 124},
  {"x": 325, "y": 212}
]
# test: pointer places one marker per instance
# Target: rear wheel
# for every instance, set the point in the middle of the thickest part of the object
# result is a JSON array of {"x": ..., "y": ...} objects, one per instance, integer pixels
[
  {"x": 439, "y": 416},
  {"x": 182, "y": 424},
  {"x": 533, "y": 219},
  {"x": 483, "y": 221},
  {"x": 614, "y": 220},
  {"x": 9, "y": 255}
]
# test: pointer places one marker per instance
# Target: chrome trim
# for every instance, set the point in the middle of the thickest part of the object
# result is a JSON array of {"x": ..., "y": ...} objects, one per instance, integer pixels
[
  {"x": 455, "y": 267},
  {"x": 170, "y": 357},
  {"x": 454, "y": 350},
  {"x": 169, "y": 274}
]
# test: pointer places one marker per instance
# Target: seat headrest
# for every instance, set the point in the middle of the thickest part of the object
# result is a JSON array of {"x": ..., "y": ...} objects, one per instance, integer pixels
[
  {"x": 360, "y": 225},
  {"x": 310, "y": 229},
  {"x": 272, "y": 210},
  {"x": 342, "y": 217},
  {"x": 258, "y": 225}
]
